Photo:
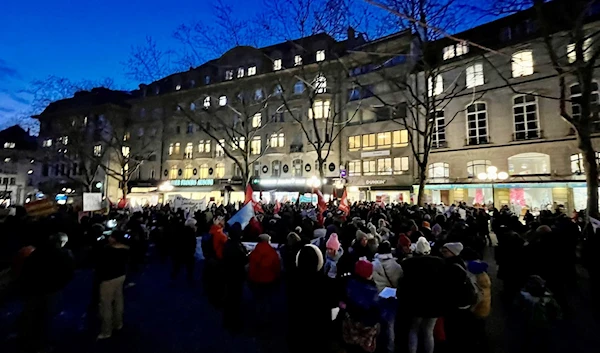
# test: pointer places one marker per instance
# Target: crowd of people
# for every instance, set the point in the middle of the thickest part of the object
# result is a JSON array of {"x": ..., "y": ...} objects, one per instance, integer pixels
[{"x": 378, "y": 278}]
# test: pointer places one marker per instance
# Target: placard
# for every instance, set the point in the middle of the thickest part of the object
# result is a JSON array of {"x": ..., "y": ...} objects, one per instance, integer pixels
[{"x": 92, "y": 201}]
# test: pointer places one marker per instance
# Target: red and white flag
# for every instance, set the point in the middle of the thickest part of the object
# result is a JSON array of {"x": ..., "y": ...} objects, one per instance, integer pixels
[{"x": 344, "y": 206}]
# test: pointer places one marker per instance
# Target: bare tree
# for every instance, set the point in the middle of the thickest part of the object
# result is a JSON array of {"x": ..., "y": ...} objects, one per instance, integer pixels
[{"x": 147, "y": 62}]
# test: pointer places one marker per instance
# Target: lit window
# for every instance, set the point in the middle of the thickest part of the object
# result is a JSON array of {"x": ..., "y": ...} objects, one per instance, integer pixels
[
  {"x": 522, "y": 63},
  {"x": 577, "y": 166},
  {"x": 125, "y": 150},
  {"x": 587, "y": 51},
  {"x": 204, "y": 146},
  {"x": 455, "y": 50},
  {"x": 384, "y": 139},
  {"x": 188, "y": 172},
  {"x": 47, "y": 143},
  {"x": 400, "y": 138},
  {"x": 252, "y": 71},
  {"x": 63, "y": 140},
  {"x": 297, "y": 60},
  {"x": 320, "y": 55},
  {"x": 439, "y": 129},
  {"x": 204, "y": 171},
  {"x": 255, "y": 146},
  {"x": 384, "y": 166},
  {"x": 220, "y": 170},
  {"x": 277, "y": 64},
  {"x": 126, "y": 136},
  {"x": 219, "y": 148},
  {"x": 299, "y": 87},
  {"x": 400, "y": 165},
  {"x": 354, "y": 168},
  {"x": 258, "y": 94},
  {"x": 435, "y": 87},
  {"x": 278, "y": 140},
  {"x": 297, "y": 167},
  {"x": 173, "y": 172},
  {"x": 206, "y": 102},
  {"x": 474, "y": 75},
  {"x": 321, "y": 84},
  {"x": 223, "y": 101},
  {"x": 320, "y": 110},
  {"x": 439, "y": 170},
  {"x": 229, "y": 75},
  {"x": 368, "y": 167},
  {"x": 477, "y": 128},
  {"x": 276, "y": 168},
  {"x": 529, "y": 163},
  {"x": 256, "y": 120},
  {"x": 476, "y": 167},
  {"x": 240, "y": 72},
  {"x": 178, "y": 87},
  {"x": 171, "y": 148},
  {"x": 189, "y": 150},
  {"x": 7, "y": 160},
  {"x": 238, "y": 142},
  {"x": 354, "y": 143},
  {"x": 177, "y": 145},
  {"x": 9, "y": 145},
  {"x": 97, "y": 150},
  {"x": 526, "y": 117},
  {"x": 368, "y": 142}
]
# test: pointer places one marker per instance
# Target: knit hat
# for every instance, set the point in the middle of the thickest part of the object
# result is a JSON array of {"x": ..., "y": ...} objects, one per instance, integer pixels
[
  {"x": 319, "y": 233},
  {"x": 426, "y": 224},
  {"x": 363, "y": 268},
  {"x": 427, "y": 217},
  {"x": 309, "y": 259},
  {"x": 423, "y": 246},
  {"x": 264, "y": 237},
  {"x": 385, "y": 248},
  {"x": 333, "y": 242},
  {"x": 454, "y": 248},
  {"x": 190, "y": 222},
  {"x": 360, "y": 235}
]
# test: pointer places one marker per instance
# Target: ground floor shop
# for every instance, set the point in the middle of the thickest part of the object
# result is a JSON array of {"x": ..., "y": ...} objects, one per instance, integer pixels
[
  {"x": 520, "y": 197},
  {"x": 391, "y": 189},
  {"x": 270, "y": 190}
]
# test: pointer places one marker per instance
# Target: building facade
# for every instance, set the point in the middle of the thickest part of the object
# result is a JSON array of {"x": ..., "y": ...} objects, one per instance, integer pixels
[{"x": 18, "y": 166}]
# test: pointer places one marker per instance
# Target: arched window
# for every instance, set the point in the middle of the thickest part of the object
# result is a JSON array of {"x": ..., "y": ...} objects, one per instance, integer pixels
[
  {"x": 220, "y": 171},
  {"x": 529, "y": 163},
  {"x": 276, "y": 168},
  {"x": 439, "y": 170},
  {"x": 297, "y": 167},
  {"x": 476, "y": 167},
  {"x": 204, "y": 171},
  {"x": 187, "y": 174},
  {"x": 257, "y": 170},
  {"x": 576, "y": 98},
  {"x": 522, "y": 63},
  {"x": 577, "y": 166},
  {"x": 173, "y": 172},
  {"x": 525, "y": 115}
]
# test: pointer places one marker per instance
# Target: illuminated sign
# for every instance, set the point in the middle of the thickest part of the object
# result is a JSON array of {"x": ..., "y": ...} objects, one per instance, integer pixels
[
  {"x": 290, "y": 182},
  {"x": 193, "y": 182},
  {"x": 375, "y": 182}
]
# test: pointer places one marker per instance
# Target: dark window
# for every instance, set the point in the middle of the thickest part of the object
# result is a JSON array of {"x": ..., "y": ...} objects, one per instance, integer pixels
[
  {"x": 152, "y": 157},
  {"x": 45, "y": 169},
  {"x": 5, "y": 181},
  {"x": 13, "y": 181},
  {"x": 74, "y": 168},
  {"x": 177, "y": 129},
  {"x": 190, "y": 128},
  {"x": 62, "y": 169},
  {"x": 206, "y": 80},
  {"x": 56, "y": 170}
]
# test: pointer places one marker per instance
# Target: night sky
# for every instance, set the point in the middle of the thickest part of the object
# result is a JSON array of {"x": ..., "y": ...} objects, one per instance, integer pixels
[{"x": 82, "y": 40}]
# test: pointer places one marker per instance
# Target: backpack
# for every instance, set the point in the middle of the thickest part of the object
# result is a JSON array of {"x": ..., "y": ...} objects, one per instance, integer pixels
[
  {"x": 208, "y": 250},
  {"x": 470, "y": 294}
]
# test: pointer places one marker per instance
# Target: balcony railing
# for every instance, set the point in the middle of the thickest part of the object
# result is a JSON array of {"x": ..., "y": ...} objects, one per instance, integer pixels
[
  {"x": 440, "y": 144},
  {"x": 296, "y": 148},
  {"x": 527, "y": 135},
  {"x": 474, "y": 141}
]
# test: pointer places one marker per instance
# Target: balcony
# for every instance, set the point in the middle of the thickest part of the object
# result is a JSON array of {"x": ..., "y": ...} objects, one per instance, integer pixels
[
  {"x": 527, "y": 135},
  {"x": 440, "y": 144},
  {"x": 474, "y": 141},
  {"x": 296, "y": 148}
]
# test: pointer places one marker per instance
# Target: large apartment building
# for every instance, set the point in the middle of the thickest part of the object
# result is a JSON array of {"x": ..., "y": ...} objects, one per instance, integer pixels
[{"x": 261, "y": 115}]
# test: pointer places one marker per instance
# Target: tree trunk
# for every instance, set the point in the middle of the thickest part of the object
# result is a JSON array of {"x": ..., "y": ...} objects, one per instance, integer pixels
[
  {"x": 422, "y": 180},
  {"x": 124, "y": 189},
  {"x": 591, "y": 172}
]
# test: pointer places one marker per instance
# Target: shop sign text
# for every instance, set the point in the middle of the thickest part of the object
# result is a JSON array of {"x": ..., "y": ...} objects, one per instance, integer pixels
[{"x": 193, "y": 182}]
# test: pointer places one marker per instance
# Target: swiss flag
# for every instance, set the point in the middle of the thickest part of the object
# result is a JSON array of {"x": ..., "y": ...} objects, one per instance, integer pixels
[{"x": 344, "y": 206}]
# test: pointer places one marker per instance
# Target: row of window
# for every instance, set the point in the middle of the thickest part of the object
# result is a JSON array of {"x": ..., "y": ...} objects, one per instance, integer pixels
[
  {"x": 276, "y": 140},
  {"x": 381, "y": 166},
  {"x": 366, "y": 142}
]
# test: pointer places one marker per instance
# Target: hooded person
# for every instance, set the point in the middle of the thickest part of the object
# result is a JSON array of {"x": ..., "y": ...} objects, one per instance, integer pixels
[
  {"x": 424, "y": 279},
  {"x": 235, "y": 258},
  {"x": 263, "y": 272},
  {"x": 308, "y": 281}
]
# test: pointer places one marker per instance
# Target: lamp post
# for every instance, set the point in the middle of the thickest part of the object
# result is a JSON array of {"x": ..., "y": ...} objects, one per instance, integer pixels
[{"x": 491, "y": 175}]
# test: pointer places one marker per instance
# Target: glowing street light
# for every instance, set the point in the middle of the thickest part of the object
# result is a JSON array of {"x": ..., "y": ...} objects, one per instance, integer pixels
[
  {"x": 492, "y": 175},
  {"x": 166, "y": 186}
]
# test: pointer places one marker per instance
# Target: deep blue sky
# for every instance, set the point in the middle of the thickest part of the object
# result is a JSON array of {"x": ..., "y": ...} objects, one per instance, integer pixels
[{"x": 82, "y": 39}]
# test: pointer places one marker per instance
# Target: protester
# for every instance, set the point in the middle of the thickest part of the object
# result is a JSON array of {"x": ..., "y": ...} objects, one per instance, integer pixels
[
  {"x": 184, "y": 250},
  {"x": 263, "y": 272},
  {"x": 235, "y": 258}
]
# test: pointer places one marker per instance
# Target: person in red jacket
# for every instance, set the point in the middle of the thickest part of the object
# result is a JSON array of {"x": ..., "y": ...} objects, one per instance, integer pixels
[
  {"x": 263, "y": 272},
  {"x": 218, "y": 236}
]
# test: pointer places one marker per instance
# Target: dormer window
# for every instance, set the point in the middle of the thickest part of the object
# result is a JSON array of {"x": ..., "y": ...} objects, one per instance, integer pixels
[
  {"x": 455, "y": 50},
  {"x": 229, "y": 75},
  {"x": 206, "y": 80},
  {"x": 277, "y": 64},
  {"x": 252, "y": 71},
  {"x": 297, "y": 60},
  {"x": 178, "y": 87},
  {"x": 240, "y": 72},
  {"x": 320, "y": 55}
]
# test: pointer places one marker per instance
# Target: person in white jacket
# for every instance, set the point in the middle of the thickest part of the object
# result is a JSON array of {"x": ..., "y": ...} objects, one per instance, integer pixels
[{"x": 387, "y": 272}]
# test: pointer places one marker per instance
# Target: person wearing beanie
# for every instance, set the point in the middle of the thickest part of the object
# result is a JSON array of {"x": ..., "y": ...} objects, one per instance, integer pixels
[
  {"x": 308, "y": 282},
  {"x": 423, "y": 281},
  {"x": 387, "y": 273},
  {"x": 451, "y": 249},
  {"x": 403, "y": 249},
  {"x": 333, "y": 254},
  {"x": 426, "y": 230},
  {"x": 264, "y": 268},
  {"x": 362, "y": 308},
  {"x": 360, "y": 246}
]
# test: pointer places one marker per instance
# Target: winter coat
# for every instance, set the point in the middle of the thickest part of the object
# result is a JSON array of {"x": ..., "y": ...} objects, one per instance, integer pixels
[
  {"x": 386, "y": 271},
  {"x": 362, "y": 300},
  {"x": 112, "y": 262},
  {"x": 265, "y": 265},
  {"x": 219, "y": 239},
  {"x": 423, "y": 281},
  {"x": 184, "y": 243},
  {"x": 330, "y": 267},
  {"x": 46, "y": 271},
  {"x": 483, "y": 308},
  {"x": 235, "y": 258}
]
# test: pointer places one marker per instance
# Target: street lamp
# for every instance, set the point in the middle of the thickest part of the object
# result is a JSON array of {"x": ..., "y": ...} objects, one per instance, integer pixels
[{"x": 492, "y": 175}]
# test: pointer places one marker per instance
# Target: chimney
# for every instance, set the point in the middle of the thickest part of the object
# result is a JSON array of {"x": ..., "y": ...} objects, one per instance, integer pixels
[{"x": 351, "y": 33}]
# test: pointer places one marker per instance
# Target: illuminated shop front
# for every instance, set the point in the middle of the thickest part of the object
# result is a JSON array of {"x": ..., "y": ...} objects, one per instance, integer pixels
[
  {"x": 382, "y": 189},
  {"x": 290, "y": 189},
  {"x": 219, "y": 191}
]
